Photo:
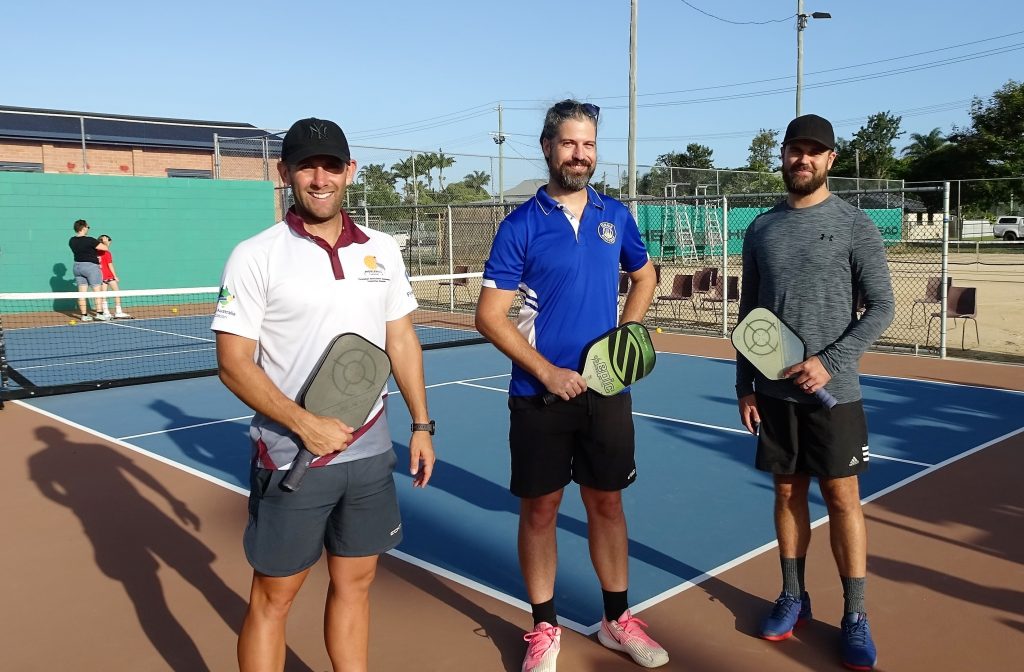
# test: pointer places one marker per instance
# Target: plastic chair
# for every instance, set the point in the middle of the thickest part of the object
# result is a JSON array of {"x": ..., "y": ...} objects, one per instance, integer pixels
[
  {"x": 961, "y": 303},
  {"x": 682, "y": 291},
  {"x": 455, "y": 283},
  {"x": 730, "y": 292},
  {"x": 704, "y": 281},
  {"x": 932, "y": 294}
]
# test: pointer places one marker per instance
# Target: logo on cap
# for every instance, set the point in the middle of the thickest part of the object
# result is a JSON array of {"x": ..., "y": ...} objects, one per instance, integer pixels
[{"x": 317, "y": 131}]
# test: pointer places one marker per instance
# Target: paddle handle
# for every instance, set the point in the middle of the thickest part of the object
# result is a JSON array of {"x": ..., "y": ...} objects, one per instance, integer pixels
[
  {"x": 549, "y": 398},
  {"x": 293, "y": 480},
  {"x": 826, "y": 399}
]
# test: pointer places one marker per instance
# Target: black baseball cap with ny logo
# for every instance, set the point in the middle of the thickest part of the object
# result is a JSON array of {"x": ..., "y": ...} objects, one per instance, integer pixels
[{"x": 314, "y": 137}]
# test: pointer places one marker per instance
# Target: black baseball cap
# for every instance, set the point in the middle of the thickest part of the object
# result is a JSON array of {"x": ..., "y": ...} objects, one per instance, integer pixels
[
  {"x": 314, "y": 137},
  {"x": 811, "y": 127}
]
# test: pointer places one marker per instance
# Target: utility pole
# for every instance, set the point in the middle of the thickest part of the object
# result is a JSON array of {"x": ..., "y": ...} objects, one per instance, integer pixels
[
  {"x": 631, "y": 148},
  {"x": 499, "y": 139},
  {"x": 801, "y": 23}
]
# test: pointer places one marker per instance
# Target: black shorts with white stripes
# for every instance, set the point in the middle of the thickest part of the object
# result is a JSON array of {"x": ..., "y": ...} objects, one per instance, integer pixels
[{"x": 812, "y": 439}]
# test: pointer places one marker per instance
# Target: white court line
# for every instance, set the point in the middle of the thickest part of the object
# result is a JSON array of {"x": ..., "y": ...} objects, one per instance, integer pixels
[
  {"x": 691, "y": 422},
  {"x": 158, "y": 331},
  {"x": 585, "y": 630},
  {"x": 159, "y": 458},
  {"x": 114, "y": 359},
  {"x": 178, "y": 429},
  {"x": 900, "y": 459},
  {"x": 821, "y": 521}
]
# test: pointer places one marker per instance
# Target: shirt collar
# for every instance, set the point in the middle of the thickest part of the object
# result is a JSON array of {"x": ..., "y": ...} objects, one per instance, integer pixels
[
  {"x": 548, "y": 204},
  {"x": 350, "y": 233}
]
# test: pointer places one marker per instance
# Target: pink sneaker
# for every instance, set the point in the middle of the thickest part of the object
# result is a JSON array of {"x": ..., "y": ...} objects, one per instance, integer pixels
[
  {"x": 627, "y": 634},
  {"x": 543, "y": 648}
]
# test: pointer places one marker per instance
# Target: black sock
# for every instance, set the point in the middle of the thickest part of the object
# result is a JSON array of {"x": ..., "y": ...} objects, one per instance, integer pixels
[
  {"x": 800, "y": 562},
  {"x": 615, "y": 604},
  {"x": 791, "y": 582},
  {"x": 544, "y": 613},
  {"x": 853, "y": 594}
]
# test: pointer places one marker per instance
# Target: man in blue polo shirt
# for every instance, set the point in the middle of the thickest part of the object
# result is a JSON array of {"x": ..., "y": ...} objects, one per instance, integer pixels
[{"x": 562, "y": 251}]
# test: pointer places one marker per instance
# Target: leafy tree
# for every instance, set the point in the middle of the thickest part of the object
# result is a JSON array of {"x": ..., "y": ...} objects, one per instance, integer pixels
[
  {"x": 477, "y": 180},
  {"x": 924, "y": 144},
  {"x": 764, "y": 152},
  {"x": 695, "y": 156},
  {"x": 997, "y": 130},
  {"x": 874, "y": 141}
]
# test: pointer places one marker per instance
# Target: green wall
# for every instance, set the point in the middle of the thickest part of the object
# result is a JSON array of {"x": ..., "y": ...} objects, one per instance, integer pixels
[
  {"x": 167, "y": 233},
  {"x": 657, "y": 226}
]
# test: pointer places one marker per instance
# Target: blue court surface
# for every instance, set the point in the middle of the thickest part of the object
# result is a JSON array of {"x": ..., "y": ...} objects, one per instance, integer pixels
[{"x": 697, "y": 507}]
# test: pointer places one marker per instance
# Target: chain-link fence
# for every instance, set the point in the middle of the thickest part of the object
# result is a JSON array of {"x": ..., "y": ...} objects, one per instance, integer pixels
[{"x": 696, "y": 245}]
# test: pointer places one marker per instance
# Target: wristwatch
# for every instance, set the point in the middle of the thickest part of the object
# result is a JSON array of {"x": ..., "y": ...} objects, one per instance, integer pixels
[{"x": 423, "y": 427}]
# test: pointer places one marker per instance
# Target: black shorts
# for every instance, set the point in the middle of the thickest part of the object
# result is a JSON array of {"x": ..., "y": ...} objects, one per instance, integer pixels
[
  {"x": 812, "y": 439},
  {"x": 588, "y": 439}
]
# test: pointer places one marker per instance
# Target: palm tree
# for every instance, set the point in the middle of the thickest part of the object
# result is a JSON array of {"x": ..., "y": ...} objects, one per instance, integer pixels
[
  {"x": 923, "y": 145},
  {"x": 442, "y": 161},
  {"x": 403, "y": 170},
  {"x": 477, "y": 180},
  {"x": 376, "y": 176}
]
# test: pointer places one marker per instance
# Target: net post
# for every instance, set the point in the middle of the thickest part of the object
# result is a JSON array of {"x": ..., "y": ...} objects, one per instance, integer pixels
[{"x": 725, "y": 267}]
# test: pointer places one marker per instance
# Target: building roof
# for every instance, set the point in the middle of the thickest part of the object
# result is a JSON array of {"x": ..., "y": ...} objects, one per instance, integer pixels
[{"x": 62, "y": 126}]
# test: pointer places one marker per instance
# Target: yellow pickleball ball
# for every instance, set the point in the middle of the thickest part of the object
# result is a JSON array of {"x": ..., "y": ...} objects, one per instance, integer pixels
[
  {"x": 659, "y": 330},
  {"x": 174, "y": 310},
  {"x": 72, "y": 322}
]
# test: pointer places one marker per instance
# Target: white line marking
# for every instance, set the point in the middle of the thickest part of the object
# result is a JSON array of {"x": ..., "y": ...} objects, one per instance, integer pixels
[
  {"x": 159, "y": 458},
  {"x": 692, "y": 422},
  {"x": 773, "y": 544},
  {"x": 900, "y": 459},
  {"x": 114, "y": 359},
  {"x": 178, "y": 429},
  {"x": 158, "y": 331}
]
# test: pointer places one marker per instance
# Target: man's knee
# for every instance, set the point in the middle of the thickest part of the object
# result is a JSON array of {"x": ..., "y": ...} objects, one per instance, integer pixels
[
  {"x": 603, "y": 504},
  {"x": 540, "y": 512}
]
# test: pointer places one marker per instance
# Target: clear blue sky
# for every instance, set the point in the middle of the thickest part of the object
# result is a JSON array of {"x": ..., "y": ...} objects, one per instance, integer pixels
[{"x": 412, "y": 74}]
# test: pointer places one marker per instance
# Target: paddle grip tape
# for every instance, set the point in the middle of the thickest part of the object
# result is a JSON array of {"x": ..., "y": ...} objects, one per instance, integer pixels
[{"x": 293, "y": 480}]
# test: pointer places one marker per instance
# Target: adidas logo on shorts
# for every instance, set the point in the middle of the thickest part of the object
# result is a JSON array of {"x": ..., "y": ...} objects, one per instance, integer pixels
[
  {"x": 864, "y": 453},
  {"x": 854, "y": 462}
]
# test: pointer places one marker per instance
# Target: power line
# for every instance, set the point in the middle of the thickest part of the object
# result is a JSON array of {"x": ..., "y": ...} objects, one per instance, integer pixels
[{"x": 737, "y": 23}]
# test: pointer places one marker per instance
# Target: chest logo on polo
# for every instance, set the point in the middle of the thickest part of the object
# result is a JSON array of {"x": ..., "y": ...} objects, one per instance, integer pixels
[
  {"x": 606, "y": 231},
  {"x": 373, "y": 270},
  {"x": 823, "y": 237}
]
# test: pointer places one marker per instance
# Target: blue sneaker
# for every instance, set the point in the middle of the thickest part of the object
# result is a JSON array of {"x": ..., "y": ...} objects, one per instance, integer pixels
[
  {"x": 787, "y": 613},
  {"x": 858, "y": 649}
]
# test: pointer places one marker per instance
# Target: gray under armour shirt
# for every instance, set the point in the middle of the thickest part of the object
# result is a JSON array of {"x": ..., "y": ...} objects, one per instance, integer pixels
[{"x": 805, "y": 264}]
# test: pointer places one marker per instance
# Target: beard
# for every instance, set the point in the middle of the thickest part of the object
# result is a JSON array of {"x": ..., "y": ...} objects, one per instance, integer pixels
[
  {"x": 568, "y": 177},
  {"x": 803, "y": 186}
]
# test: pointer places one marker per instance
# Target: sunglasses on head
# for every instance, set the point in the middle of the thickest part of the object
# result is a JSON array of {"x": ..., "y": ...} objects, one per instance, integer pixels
[{"x": 568, "y": 107}]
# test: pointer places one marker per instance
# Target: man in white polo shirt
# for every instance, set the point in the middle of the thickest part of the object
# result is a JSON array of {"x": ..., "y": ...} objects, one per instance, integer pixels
[{"x": 286, "y": 293}]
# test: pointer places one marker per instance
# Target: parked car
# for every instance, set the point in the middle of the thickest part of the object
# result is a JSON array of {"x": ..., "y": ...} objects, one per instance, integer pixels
[{"x": 1009, "y": 228}]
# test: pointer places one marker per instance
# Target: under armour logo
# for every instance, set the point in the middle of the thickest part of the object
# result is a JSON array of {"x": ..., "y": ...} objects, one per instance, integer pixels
[
  {"x": 318, "y": 131},
  {"x": 823, "y": 237}
]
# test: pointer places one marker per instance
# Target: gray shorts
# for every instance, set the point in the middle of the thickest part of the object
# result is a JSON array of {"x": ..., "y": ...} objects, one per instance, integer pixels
[
  {"x": 87, "y": 273},
  {"x": 351, "y": 509}
]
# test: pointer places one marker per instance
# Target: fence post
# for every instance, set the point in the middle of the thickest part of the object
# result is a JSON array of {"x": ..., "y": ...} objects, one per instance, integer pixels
[
  {"x": 945, "y": 269},
  {"x": 725, "y": 266},
  {"x": 451, "y": 262},
  {"x": 216, "y": 156}
]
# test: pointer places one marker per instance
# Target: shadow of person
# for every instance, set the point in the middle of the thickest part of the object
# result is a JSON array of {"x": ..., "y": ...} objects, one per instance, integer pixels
[
  {"x": 129, "y": 533},
  {"x": 58, "y": 283},
  {"x": 506, "y": 637}
]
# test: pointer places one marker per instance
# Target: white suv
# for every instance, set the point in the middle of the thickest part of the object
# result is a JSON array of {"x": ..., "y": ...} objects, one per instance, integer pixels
[{"x": 1009, "y": 228}]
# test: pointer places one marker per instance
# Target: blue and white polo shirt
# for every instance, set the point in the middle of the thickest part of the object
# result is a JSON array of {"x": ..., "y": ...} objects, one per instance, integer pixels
[{"x": 567, "y": 272}]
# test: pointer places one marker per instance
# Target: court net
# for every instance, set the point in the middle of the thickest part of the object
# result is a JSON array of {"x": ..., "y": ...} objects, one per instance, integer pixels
[{"x": 47, "y": 347}]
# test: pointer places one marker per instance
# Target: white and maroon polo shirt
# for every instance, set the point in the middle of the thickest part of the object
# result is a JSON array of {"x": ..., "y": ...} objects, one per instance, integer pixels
[{"x": 293, "y": 293}]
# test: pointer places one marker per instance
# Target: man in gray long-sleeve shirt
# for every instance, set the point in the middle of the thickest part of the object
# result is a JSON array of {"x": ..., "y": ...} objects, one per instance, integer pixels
[{"x": 807, "y": 260}]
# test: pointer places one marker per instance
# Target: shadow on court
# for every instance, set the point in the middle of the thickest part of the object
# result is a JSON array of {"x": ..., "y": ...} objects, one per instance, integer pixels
[
  {"x": 130, "y": 534},
  {"x": 506, "y": 637}
]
